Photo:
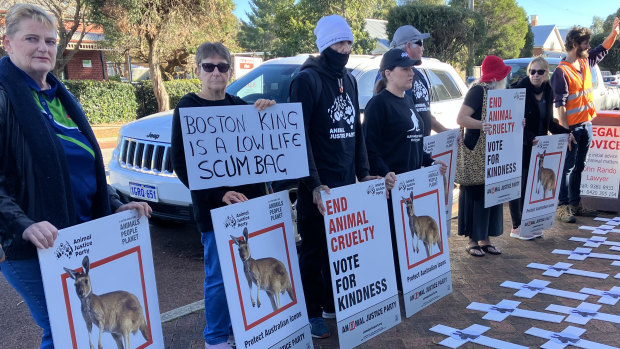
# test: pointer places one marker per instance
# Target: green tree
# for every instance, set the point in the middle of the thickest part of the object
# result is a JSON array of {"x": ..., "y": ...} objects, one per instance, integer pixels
[
  {"x": 159, "y": 29},
  {"x": 259, "y": 32},
  {"x": 597, "y": 25},
  {"x": 528, "y": 47},
  {"x": 453, "y": 30},
  {"x": 506, "y": 27}
]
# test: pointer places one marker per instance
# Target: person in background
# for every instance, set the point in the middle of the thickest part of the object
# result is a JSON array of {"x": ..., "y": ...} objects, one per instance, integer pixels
[
  {"x": 213, "y": 68},
  {"x": 51, "y": 169},
  {"x": 410, "y": 40},
  {"x": 475, "y": 221},
  {"x": 574, "y": 102},
  {"x": 394, "y": 130},
  {"x": 538, "y": 122},
  {"x": 336, "y": 156}
]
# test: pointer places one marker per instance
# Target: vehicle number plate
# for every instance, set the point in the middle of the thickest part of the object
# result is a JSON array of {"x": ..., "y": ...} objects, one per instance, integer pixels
[{"x": 143, "y": 191}]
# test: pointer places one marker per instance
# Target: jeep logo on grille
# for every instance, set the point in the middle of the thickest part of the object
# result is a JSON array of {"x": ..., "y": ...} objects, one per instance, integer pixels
[{"x": 152, "y": 135}]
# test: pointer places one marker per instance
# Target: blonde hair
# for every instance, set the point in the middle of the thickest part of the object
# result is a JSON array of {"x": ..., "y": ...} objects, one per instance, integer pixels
[
  {"x": 20, "y": 12},
  {"x": 543, "y": 63},
  {"x": 381, "y": 83}
]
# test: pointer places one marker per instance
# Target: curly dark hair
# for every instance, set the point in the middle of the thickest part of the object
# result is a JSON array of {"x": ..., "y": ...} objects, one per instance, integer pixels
[{"x": 576, "y": 36}]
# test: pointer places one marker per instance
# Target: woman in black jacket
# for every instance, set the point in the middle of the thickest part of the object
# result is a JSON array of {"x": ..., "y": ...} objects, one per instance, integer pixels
[{"x": 538, "y": 122}]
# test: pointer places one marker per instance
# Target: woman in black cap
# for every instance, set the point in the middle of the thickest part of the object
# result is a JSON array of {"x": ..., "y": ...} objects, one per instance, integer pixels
[{"x": 393, "y": 130}]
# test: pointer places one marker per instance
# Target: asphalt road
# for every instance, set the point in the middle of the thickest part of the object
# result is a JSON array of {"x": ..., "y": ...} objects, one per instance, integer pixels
[{"x": 177, "y": 254}]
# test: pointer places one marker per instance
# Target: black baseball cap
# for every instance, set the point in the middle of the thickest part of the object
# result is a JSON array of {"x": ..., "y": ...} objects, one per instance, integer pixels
[{"x": 397, "y": 58}]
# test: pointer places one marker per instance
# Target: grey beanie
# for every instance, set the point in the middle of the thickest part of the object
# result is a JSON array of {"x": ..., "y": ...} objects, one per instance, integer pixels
[{"x": 330, "y": 30}]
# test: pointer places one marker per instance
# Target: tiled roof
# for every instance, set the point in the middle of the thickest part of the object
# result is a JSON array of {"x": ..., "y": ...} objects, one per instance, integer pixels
[
  {"x": 541, "y": 34},
  {"x": 376, "y": 28}
]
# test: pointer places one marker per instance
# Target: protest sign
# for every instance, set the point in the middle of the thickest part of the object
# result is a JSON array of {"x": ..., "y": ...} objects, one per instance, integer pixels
[
  {"x": 421, "y": 237},
  {"x": 504, "y": 146},
  {"x": 443, "y": 146},
  {"x": 101, "y": 272},
  {"x": 235, "y": 145},
  {"x": 256, "y": 247},
  {"x": 358, "y": 235},
  {"x": 601, "y": 175},
  {"x": 543, "y": 182}
]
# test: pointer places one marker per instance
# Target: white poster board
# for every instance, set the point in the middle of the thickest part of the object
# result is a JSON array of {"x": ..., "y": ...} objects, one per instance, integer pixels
[
  {"x": 504, "y": 146},
  {"x": 422, "y": 238},
  {"x": 358, "y": 235},
  {"x": 235, "y": 145},
  {"x": 443, "y": 146},
  {"x": 258, "y": 235},
  {"x": 601, "y": 175},
  {"x": 543, "y": 183},
  {"x": 116, "y": 250}
]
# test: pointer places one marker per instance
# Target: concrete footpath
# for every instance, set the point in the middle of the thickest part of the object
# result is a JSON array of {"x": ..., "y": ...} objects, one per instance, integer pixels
[{"x": 478, "y": 280}]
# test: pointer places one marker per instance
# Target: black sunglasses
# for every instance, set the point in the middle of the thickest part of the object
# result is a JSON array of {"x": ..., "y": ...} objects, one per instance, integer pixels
[
  {"x": 221, "y": 67},
  {"x": 539, "y": 71},
  {"x": 419, "y": 43}
]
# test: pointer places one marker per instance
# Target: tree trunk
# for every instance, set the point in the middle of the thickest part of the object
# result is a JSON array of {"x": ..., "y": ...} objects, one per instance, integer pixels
[{"x": 159, "y": 88}]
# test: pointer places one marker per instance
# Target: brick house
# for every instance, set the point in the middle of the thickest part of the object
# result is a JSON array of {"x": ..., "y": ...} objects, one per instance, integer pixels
[
  {"x": 547, "y": 39},
  {"x": 89, "y": 63}
]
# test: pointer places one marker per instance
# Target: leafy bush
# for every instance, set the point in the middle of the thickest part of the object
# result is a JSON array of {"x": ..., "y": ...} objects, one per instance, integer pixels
[
  {"x": 175, "y": 88},
  {"x": 116, "y": 102},
  {"x": 105, "y": 101}
]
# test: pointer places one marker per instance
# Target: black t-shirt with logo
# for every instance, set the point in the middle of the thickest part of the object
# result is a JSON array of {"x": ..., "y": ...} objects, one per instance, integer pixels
[
  {"x": 394, "y": 135},
  {"x": 420, "y": 94}
]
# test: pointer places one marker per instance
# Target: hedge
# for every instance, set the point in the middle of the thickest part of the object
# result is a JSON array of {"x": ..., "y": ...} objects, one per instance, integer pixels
[
  {"x": 105, "y": 101},
  {"x": 116, "y": 102}
]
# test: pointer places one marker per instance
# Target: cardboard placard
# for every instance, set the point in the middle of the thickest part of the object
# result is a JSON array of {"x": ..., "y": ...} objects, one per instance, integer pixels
[
  {"x": 256, "y": 247},
  {"x": 105, "y": 266},
  {"x": 421, "y": 237},
  {"x": 358, "y": 235},
  {"x": 235, "y": 145},
  {"x": 601, "y": 175},
  {"x": 543, "y": 182},
  {"x": 443, "y": 146},
  {"x": 503, "y": 156}
]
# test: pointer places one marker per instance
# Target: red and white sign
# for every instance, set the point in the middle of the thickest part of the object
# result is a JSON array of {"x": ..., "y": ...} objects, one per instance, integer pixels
[
  {"x": 601, "y": 176},
  {"x": 106, "y": 267}
]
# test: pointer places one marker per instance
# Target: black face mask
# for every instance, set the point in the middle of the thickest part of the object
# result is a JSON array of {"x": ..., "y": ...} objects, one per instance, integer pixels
[{"x": 335, "y": 61}]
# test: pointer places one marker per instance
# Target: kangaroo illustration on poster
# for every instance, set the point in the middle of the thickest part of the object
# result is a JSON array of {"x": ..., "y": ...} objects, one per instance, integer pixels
[
  {"x": 118, "y": 312},
  {"x": 546, "y": 177},
  {"x": 268, "y": 273},
  {"x": 424, "y": 227}
]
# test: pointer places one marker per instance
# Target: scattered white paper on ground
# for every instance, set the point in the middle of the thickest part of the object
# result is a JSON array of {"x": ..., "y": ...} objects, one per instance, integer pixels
[
  {"x": 581, "y": 253},
  {"x": 472, "y": 334},
  {"x": 506, "y": 308},
  {"x": 610, "y": 297},
  {"x": 602, "y": 230},
  {"x": 615, "y": 248},
  {"x": 617, "y": 276},
  {"x": 608, "y": 221},
  {"x": 536, "y": 286},
  {"x": 583, "y": 313},
  {"x": 561, "y": 268},
  {"x": 616, "y": 263},
  {"x": 569, "y": 336},
  {"x": 595, "y": 241}
]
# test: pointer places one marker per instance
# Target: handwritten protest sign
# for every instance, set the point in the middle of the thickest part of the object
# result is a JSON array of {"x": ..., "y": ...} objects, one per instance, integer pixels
[
  {"x": 256, "y": 247},
  {"x": 443, "y": 146},
  {"x": 235, "y": 145},
  {"x": 601, "y": 176},
  {"x": 543, "y": 181},
  {"x": 358, "y": 235},
  {"x": 421, "y": 237},
  {"x": 504, "y": 146},
  {"x": 105, "y": 267}
]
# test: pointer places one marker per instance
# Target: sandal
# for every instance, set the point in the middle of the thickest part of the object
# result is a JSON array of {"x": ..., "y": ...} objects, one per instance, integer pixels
[
  {"x": 475, "y": 251},
  {"x": 490, "y": 249}
]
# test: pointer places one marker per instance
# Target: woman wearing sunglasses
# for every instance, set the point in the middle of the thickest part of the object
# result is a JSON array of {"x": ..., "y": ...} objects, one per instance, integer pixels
[
  {"x": 538, "y": 122},
  {"x": 214, "y": 71}
]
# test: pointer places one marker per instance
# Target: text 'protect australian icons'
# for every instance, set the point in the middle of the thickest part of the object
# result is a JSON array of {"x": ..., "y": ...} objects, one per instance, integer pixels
[{"x": 256, "y": 248}]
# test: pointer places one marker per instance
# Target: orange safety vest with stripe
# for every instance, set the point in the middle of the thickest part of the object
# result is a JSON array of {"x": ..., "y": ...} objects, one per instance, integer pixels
[{"x": 580, "y": 100}]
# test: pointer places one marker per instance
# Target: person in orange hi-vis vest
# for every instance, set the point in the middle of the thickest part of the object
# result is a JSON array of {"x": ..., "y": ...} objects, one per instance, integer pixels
[{"x": 574, "y": 102}]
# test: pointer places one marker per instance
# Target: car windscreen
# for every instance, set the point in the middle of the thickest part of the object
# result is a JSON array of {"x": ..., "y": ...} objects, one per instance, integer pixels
[{"x": 270, "y": 81}]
